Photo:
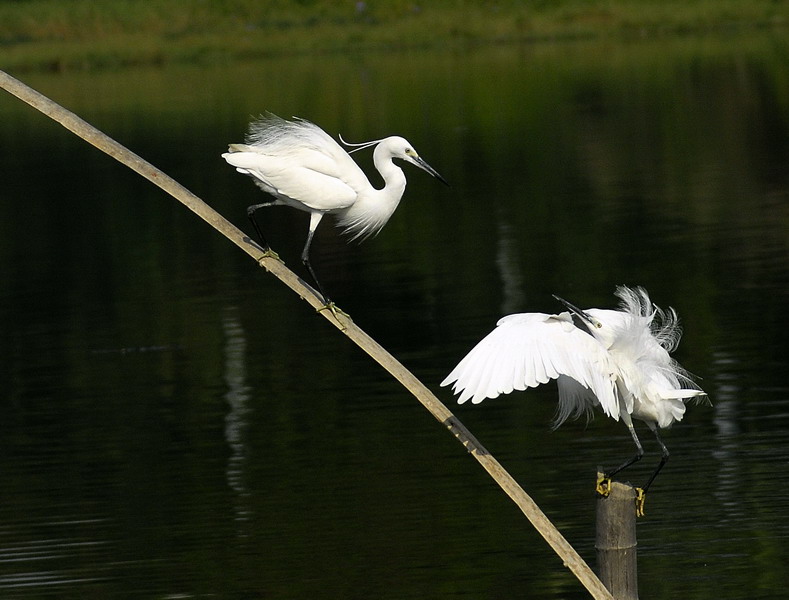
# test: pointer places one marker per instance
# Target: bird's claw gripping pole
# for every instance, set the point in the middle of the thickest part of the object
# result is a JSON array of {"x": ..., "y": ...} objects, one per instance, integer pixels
[
  {"x": 336, "y": 311},
  {"x": 641, "y": 497},
  {"x": 603, "y": 489},
  {"x": 603, "y": 485},
  {"x": 269, "y": 253}
]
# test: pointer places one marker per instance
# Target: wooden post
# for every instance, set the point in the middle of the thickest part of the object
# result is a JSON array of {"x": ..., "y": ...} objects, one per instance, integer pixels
[{"x": 615, "y": 541}]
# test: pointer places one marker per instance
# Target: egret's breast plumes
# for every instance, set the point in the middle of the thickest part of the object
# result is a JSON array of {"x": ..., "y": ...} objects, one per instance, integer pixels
[{"x": 374, "y": 207}]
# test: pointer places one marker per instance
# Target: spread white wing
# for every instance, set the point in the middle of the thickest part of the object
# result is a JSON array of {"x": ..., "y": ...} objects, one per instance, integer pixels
[{"x": 528, "y": 349}]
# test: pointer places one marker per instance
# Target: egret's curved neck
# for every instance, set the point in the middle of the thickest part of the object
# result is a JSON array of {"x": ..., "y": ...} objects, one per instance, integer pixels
[
  {"x": 373, "y": 207},
  {"x": 394, "y": 178}
]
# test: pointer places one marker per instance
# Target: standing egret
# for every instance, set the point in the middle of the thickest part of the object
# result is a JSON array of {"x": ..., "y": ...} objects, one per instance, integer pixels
[
  {"x": 303, "y": 167},
  {"x": 614, "y": 360}
]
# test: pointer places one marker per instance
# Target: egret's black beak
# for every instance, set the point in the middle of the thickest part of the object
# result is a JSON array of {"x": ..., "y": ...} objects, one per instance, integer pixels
[
  {"x": 589, "y": 320},
  {"x": 426, "y": 167}
]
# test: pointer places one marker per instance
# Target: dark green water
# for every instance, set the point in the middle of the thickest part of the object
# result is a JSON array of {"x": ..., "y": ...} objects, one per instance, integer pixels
[{"x": 175, "y": 425}]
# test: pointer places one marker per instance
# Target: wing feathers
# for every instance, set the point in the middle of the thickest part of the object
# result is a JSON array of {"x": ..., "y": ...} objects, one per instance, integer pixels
[
  {"x": 621, "y": 364},
  {"x": 526, "y": 350},
  {"x": 315, "y": 171}
]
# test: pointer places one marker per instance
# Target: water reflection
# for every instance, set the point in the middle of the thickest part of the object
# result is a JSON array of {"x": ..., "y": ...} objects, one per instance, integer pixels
[
  {"x": 726, "y": 420},
  {"x": 250, "y": 452},
  {"x": 237, "y": 397},
  {"x": 59, "y": 554},
  {"x": 508, "y": 265}
]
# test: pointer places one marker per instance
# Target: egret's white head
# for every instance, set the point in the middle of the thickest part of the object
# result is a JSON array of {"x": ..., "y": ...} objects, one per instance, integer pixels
[
  {"x": 602, "y": 324},
  {"x": 395, "y": 147},
  {"x": 398, "y": 147}
]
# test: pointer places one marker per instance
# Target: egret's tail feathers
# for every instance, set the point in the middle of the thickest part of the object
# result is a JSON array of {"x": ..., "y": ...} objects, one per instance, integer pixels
[
  {"x": 238, "y": 148},
  {"x": 242, "y": 159},
  {"x": 682, "y": 394},
  {"x": 702, "y": 399},
  {"x": 697, "y": 396}
]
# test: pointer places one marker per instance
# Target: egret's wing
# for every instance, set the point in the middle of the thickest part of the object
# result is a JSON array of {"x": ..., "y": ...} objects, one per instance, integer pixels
[
  {"x": 528, "y": 349},
  {"x": 301, "y": 143},
  {"x": 310, "y": 178}
]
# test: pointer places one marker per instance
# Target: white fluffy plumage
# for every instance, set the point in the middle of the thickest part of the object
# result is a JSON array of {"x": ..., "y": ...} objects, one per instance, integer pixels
[
  {"x": 614, "y": 360},
  {"x": 302, "y": 166}
]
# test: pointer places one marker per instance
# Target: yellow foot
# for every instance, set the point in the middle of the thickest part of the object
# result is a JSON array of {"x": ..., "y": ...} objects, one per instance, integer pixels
[
  {"x": 641, "y": 497},
  {"x": 336, "y": 311},
  {"x": 269, "y": 253},
  {"x": 603, "y": 486}
]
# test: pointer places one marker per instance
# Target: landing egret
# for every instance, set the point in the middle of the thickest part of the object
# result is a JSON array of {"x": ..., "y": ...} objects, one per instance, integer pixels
[
  {"x": 614, "y": 360},
  {"x": 303, "y": 167}
]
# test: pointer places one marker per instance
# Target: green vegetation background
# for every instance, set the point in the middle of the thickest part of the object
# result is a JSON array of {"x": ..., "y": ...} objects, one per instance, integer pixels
[{"x": 86, "y": 34}]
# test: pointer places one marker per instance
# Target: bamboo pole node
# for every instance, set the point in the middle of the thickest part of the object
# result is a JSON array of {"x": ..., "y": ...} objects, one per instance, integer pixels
[{"x": 464, "y": 436}]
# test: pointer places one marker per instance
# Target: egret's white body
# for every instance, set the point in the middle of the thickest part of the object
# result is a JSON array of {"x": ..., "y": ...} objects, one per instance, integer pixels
[
  {"x": 302, "y": 166},
  {"x": 614, "y": 360}
]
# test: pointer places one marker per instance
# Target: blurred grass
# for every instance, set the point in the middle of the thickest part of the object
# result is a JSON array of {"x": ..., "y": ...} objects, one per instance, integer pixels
[{"x": 87, "y": 34}]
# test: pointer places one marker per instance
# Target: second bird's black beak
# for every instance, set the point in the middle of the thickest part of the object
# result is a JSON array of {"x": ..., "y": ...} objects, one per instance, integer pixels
[{"x": 588, "y": 320}]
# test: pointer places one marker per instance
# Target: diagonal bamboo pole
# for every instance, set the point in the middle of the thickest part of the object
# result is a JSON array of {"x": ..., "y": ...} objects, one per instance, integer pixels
[{"x": 571, "y": 559}]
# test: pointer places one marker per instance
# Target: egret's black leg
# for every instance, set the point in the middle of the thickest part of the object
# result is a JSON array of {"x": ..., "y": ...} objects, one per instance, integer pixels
[
  {"x": 663, "y": 460},
  {"x": 251, "y": 214},
  {"x": 306, "y": 261},
  {"x": 305, "y": 256},
  {"x": 604, "y": 481},
  {"x": 630, "y": 461}
]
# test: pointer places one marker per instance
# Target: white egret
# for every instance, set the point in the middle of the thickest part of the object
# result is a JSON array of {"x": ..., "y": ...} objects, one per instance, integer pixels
[
  {"x": 301, "y": 166},
  {"x": 614, "y": 360}
]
